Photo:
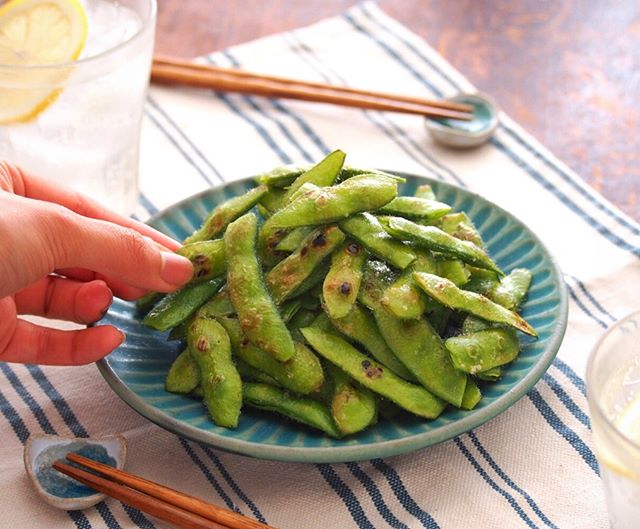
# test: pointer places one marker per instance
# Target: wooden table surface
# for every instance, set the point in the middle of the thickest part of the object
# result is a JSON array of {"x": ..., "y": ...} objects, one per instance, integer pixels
[{"x": 567, "y": 70}]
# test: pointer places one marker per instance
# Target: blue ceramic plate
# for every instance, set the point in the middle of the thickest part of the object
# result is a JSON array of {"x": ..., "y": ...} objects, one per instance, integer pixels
[{"x": 136, "y": 370}]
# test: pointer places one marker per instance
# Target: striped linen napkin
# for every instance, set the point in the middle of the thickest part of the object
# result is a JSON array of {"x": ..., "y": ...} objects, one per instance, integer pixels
[{"x": 532, "y": 466}]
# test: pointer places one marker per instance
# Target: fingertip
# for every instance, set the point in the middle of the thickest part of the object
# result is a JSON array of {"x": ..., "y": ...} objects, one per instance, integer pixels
[
  {"x": 93, "y": 299},
  {"x": 176, "y": 270},
  {"x": 100, "y": 341}
]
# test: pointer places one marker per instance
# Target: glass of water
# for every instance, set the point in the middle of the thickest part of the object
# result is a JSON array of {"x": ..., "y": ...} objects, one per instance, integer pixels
[
  {"x": 613, "y": 391},
  {"x": 80, "y": 124}
]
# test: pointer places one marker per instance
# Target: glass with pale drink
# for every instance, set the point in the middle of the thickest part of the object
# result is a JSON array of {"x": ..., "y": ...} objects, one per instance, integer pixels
[
  {"x": 613, "y": 390},
  {"x": 73, "y": 81}
]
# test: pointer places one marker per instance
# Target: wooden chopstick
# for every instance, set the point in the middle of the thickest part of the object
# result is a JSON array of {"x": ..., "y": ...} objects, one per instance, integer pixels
[
  {"x": 181, "y": 509},
  {"x": 178, "y": 71}
]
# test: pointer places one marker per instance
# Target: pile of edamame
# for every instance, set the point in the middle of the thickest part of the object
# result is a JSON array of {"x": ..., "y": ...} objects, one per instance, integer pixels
[{"x": 325, "y": 297}]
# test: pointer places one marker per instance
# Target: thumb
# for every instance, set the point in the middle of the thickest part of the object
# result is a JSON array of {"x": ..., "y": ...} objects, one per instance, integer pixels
[{"x": 119, "y": 252}]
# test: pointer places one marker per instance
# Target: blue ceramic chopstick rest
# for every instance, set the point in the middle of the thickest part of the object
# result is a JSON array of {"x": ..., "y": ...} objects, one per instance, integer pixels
[{"x": 58, "y": 490}]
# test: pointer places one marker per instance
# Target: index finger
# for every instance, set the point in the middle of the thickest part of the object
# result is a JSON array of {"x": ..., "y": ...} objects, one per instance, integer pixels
[{"x": 30, "y": 186}]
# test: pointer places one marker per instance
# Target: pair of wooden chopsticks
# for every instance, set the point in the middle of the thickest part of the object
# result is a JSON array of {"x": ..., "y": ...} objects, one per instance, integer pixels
[
  {"x": 181, "y": 510},
  {"x": 183, "y": 72}
]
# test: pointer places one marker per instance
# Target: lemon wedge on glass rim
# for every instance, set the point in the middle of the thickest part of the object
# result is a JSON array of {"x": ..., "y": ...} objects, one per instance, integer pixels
[{"x": 33, "y": 34}]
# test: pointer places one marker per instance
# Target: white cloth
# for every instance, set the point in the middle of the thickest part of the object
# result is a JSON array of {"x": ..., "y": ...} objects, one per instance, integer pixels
[{"x": 532, "y": 466}]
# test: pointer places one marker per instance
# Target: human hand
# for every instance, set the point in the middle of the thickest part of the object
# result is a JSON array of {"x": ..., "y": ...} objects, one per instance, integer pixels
[{"x": 64, "y": 256}]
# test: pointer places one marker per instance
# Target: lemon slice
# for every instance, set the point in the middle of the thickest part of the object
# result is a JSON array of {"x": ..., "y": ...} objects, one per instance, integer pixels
[{"x": 36, "y": 33}]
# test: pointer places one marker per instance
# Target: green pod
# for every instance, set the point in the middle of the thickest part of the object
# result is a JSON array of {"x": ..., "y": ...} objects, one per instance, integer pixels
[
  {"x": 183, "y": 375},
  {"x": 281, "y": 176},
  {"x": 374, "y": 375},
  {"x": 472, "y": 324},
  {"x": 415, "y": 208},
  {"x": 323, "y": 174},
  {"x": 271, "y": 201},
  {"x": 342, "y": 282},
  {"x": 218, "y": 305},
  {"x": 304, "y": 410},
  {"x": 459, "y": 225},
  {"x": 226, "y": 213},
  {"x": 207, "y": 258},
  {"x": 376, "y": 278},
  {"x": 445, "y": 292},
  {"x": 360, "y": 326},
  {"x": 483, "y": 350},
  {"x": 176, "y": 307},
  {"x": 490, "y": 375},
  {"x": 293, "y": 239},
  {"x": 425, "y": 191},
  {"x": 453, "y": 270},
  {"x": 289, "y": 309},
  {"x": 302, "y": 373},
  {"x": 472, "y": 395},
  {"x": 257, "y": 313},
  {"x": 146, "y": 302},
  {"x": 437, "y": 240},
  {"x": 284, "y": 278},
  {"x": 249, "y": 373},
  {"x": 349, "y": 172},
  {"x": 481, "y": 281},
  {"x": 307, "y": 289},
  {"x": 417, "y": 345},
  {"x": 403, "y": 297},
  {"x": 179, "y": 332},
  {"x": 367, "y": 230},
  {"x": 353, "y": 407},
  {"x": 512, "y": 289},
  {"x": 209, "y": 346},
  {"x": 326, "y": 205}
]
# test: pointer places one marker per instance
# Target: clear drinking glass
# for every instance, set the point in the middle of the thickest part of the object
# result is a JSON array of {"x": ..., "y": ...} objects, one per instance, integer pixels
[
  {"x": 88, "y": 135},
  {"x": 613, "y": 390}
]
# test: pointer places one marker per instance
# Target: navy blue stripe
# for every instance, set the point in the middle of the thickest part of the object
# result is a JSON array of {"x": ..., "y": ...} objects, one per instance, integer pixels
[
  {"x": 571, "y": 375},
  {"x": 312, "y": 135},
  {"x": 492, "y": 463},
  {"x": 187, "y": 140},
  {"x": 16, "y": 422},
  {"x": 346, "y": 495},
  {"x": 147, "y": 204},
  {"x": 400, "y": 491},
  {"x": 591, "y": 298},
  {"x": 22, "y": 432},
  {"x": 376, "y": 496},
  {"x": 232, "y": 483},
  {"x": 585, "y": 309},
  {"x": 58, "y": 401},
  {"x": 28, "y": 399},
  {"x": 208, "y": 475},
  {"x": 137, "y": 517},
  {"x": 510, "y": 499},
  {"x": 567, "y": 433},
  {"x": 184, "y": 153},
  {"x": 377, "y": 119},
  {"x": 564, "y": 199},
  {"x": 567, "y": 400}
]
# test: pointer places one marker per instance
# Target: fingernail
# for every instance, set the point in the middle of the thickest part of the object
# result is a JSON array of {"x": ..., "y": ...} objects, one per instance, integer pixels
[
  {"x": 123, "y": 339},
  {"x": 176, "y": 270}
]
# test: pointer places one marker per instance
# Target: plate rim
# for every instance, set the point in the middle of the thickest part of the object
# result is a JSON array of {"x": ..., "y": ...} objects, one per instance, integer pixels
[{"x": 349, "y": 453}]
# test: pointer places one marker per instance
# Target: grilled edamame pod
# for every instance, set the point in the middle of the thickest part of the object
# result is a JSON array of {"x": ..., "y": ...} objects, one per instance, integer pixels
[
  {"x": 483, "y": 350},
  {"x": 207, "y": 258},
  {"x": 146, "y": 302},
  {"x": 415, "y": 208},
  {"x": 284, "y": 278},
  {"x": 445, "y": 292},
  {"x": 403, "y": 297},
  {"x": 281, "y": 176},
  {"x": 302, "y": 373},
  {"x": 454, "y": 270},
  {"x": 367, "y": 230},
  {"x": 324, "y": 173},
  {"x": 226, "y": 213},
  {"x": 512, "y": 289},
  {"x": 183, "y": 375},
  {"x": 251, "y": 374},
  {"x": 472, "y": 395},
  {"x": 209, "y": 345},
  {"x": 373, "y": 375},
  {"x": 459, "y": 225},
  {"x": 342, "y": 282},
  {"x": 304, "y": 410},
  {"x": 326, "y": 205},
  {"x": 353, "y": 407},
  {"x": 293, "y": 239},
  {"x": 176, "y": 307},
  {"x": 218, "y": 305},
  {"x": 257, "y": 313},
  {"x": 360, "y": 326},
  {"x": 425, "y": 191},
  {"x": 437, "y": 240}
]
